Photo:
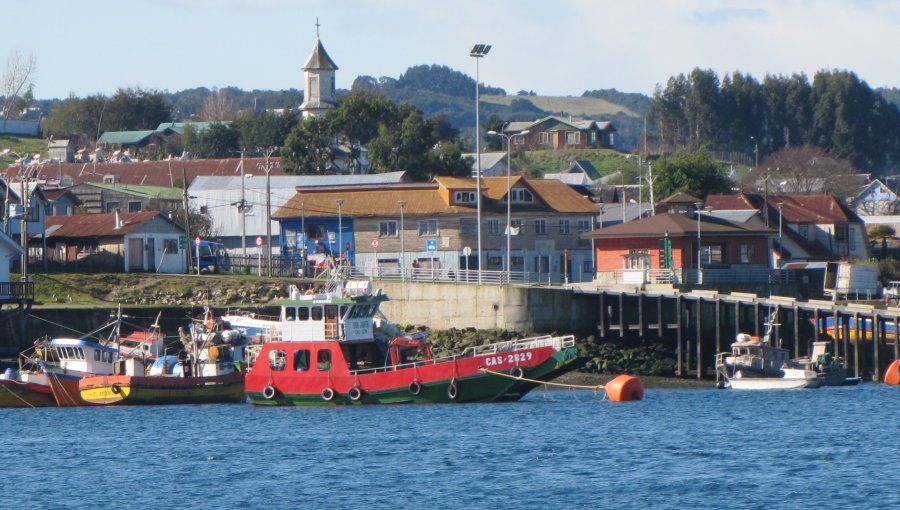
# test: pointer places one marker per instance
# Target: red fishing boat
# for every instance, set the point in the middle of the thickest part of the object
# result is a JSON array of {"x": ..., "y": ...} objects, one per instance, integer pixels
[{"x": 335, "y": 348}]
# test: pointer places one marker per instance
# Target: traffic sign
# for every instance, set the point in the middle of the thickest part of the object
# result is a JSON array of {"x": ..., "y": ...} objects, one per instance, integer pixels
[
  {"x": 467, "y": 251},
  {"x": 431, "y": 245},
  {"x": 258, "y": 240},
  {"x": 375, "y": 243},
  {"x": 197, "y": 241}
]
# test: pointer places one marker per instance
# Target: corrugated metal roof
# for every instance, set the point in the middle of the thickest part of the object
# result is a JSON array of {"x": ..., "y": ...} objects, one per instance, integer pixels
[
  {"x": 98, "y": 225},
  {"x": 258, "y": 182},
  {"x": 141, "y": 191},
  {"x": 125, "y": 137}
]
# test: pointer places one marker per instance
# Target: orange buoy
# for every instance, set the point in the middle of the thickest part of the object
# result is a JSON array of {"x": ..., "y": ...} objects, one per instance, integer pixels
[
  {"x": 892, "y": 374},
  {"x": 625, "y": 388}
]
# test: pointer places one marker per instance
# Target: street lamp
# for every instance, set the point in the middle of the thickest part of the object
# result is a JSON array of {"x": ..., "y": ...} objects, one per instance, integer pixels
[
  {"x": 339, "y": 203},
  {"x": 508, "y": 194},
  {"x": 698, "y": 205},
  {"x": 267, "y": 153},
  {"x": 402, "y": 203},
  {"x": 780, "y": 241},
  {"x": 478, "y": 51},
  {"x": 755, "y": 152}
]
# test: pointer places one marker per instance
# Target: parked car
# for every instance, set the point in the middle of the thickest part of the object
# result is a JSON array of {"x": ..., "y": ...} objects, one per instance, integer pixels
[{"x": 212, "y": 257}]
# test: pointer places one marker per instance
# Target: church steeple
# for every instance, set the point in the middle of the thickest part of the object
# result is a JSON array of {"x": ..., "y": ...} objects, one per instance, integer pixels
[{"x": 318, "y": 73}]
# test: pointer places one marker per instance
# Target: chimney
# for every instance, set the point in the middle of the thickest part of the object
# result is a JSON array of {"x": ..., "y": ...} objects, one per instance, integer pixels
[{"x": 118, "y": 224}]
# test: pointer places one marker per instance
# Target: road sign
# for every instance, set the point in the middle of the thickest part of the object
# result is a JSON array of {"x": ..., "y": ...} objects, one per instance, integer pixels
[
  {"x": 467, "y": 251},
  {"x": 374, "y": 243},
  {"x": 258, "y": 240},
  {"x": 431, "y": 245},
  {"x": 197, "y": 241}
]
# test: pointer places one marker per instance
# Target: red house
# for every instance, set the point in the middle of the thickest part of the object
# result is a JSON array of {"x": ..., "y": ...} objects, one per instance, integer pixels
[
  {"x": 555, "y": 133},
  {"x": 664, "y": 248}
]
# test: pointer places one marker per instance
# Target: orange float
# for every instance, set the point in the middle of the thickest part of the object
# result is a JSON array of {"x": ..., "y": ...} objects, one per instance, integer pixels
[
  {"x": 892, "y": 374},
  {"x": 625, "y": 388}
]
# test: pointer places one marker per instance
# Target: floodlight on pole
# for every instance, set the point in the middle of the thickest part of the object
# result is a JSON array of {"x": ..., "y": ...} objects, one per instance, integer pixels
[
  {"x": 508, "y": 194},
  {"x": 699, "y": 205},
  {"x": 402, "y": 203},
  {"x": 478, "y": 51},
  {"x": 339, "y": 203}
]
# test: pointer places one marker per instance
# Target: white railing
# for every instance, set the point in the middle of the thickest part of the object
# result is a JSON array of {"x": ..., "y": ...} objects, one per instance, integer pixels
[
  {"x": 558, "y": 342},
  {"x": 441, "y": 275},
  {"x": 738, "y": 274}
]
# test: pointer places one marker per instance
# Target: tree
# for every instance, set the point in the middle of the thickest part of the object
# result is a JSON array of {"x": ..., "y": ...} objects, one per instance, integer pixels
[
  {"x": 359, "y": 114},
  {"x": 695, "y": 173},
  {"x": 17, "y": 76},
  {"x": 266, "y": 129},
  {"x": 307, "y": 150},
  {"x": 217, "y": 107},
  {"x": 883, "y": 232},
  {"x": 805, "y": 170},
  {"x": 217, "y": 141}
]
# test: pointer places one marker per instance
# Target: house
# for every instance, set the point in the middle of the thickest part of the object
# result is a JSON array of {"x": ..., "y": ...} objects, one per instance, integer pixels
[
  {"x": 664, "y": 248},
  {"x": 876, "y": 199},
  {"x": 435, "y": 226},
  {"x": 98, "y": 197},
  {"x": 555, "y": 133},
  {"x": 61, "y": 150},
  {"x": 140, "y": 241},
  {"x": 493, "y": 164},
  {"x": 810, "y": 227},
  {"x": 580, "y": 172},
  {"x": 31, "y": 211},
  {"x": 61, "y": 202},
  {"x": 219, "y": 197},
  {"x": 678, "y": 203}
]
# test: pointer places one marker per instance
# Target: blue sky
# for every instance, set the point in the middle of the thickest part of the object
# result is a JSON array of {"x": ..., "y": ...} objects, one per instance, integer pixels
[{"x": 561, "y": 47}]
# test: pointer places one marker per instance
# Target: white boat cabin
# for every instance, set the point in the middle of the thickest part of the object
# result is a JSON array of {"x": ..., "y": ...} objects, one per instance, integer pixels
[
  {"x": 83, "y": 356},
  {"x": 347, "y": 315}
]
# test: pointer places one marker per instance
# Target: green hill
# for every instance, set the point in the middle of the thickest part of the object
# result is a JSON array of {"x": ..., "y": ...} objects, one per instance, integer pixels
[{"x": 567, "y": 105}]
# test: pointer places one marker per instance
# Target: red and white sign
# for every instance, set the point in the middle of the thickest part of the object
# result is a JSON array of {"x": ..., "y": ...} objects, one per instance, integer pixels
[
  {"x": 258, "y": 240},
  {"x": 375, "y": 243}
]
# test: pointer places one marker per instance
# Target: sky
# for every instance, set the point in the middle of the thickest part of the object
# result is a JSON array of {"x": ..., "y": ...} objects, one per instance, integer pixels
[{"x": 556, "y": 48}]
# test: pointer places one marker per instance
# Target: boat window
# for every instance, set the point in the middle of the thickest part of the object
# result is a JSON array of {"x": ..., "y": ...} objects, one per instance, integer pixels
[
  {"x": 277, "y": 359},
  {"x": 290, "y": 313},
  {"x": 331, "y": 313},
  {"x": 301, "y": 360},
  {"x": 317, "y": 313},
  {"x": 97, "y": 355},
  {"x": 323, "y": 359},
  {"x": 343, "y": 311},
  {"x": 303, "y": 313}
]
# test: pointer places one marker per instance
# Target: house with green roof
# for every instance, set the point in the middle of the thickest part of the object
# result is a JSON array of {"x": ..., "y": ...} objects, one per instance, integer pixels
[{"x": 112, "y": 196}]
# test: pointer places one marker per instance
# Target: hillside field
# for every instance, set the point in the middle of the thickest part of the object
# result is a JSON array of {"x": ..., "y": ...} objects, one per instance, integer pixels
[{"x": 569, "y": 105}]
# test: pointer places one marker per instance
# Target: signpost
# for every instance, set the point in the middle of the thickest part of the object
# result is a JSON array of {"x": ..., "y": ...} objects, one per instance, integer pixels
[
  {"x": 466, "y": 252},
  {"x": 431, "y": 247},
  {"x": 197, "y": 249},
  {"x": 259, "y": 241}
]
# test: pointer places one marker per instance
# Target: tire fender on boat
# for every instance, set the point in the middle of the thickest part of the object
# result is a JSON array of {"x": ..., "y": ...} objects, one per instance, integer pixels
[
  {"x": 327, "y": 394},
  {"x": 452, "y": 390},
  {"x": 415, "y": 388},
  {"x": 269, "y": 392},
  {"x": 115, "y": 389},
  {"x": 517, "y": 372},
  {"x": 355, "y": 393}
]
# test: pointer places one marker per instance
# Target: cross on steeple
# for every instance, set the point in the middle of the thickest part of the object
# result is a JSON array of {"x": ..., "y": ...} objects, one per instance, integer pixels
[{"x": 317, "y": 28}]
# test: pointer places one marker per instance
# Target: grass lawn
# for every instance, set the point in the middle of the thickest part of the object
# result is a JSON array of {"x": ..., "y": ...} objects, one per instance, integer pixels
[{"x": 21, "y": 145}]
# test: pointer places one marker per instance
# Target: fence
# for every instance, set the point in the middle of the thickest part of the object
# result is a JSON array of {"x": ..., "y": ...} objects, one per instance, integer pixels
[{"x": 740, "y": 274}]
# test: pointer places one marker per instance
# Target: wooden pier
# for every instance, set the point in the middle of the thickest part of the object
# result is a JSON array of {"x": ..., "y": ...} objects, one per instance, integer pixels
[{"x": 704, "y": 323}]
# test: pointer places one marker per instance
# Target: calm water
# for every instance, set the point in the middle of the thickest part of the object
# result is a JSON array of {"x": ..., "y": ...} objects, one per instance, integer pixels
[{"x": 680, "y": 449}]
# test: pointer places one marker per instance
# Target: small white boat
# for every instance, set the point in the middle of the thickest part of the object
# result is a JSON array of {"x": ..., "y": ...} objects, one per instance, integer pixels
[{"x": 755, "y": 364}]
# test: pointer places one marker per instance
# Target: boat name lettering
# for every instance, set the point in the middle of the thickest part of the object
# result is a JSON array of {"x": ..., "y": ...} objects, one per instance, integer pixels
[{"x": 493, "y": 361}]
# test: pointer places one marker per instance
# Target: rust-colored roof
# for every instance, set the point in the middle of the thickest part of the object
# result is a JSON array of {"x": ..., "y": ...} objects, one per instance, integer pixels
[
  {"x": 821, "y": 209},
  {"x": 738, "y": 202},
  {"x": 96, "y": 225},
  {"x": 680, "y": 197},
  {"x": 154, "y": 173},
  {"x": 677, "y": 225},
  {"x": 426, "y": 198}
]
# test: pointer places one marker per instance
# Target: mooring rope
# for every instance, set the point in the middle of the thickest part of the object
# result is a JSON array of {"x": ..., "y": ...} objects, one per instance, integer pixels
[
  {"x": 548, "y": 383},
  {"x": 11, "y": 392}
]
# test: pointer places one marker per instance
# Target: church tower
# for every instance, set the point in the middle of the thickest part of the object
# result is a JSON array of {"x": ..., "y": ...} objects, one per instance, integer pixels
[{"x": 318, "y": 73}]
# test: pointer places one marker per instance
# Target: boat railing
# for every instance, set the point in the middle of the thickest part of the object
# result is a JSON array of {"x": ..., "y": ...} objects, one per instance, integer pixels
[{"x": 559, "y": 342}]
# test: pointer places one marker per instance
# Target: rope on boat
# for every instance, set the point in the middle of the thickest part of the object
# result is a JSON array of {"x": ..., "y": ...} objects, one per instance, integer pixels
[
  {"x": 597, "y": 387},
  {"x": 62, "y": 390},
  {"x": 11, "y": 392}
]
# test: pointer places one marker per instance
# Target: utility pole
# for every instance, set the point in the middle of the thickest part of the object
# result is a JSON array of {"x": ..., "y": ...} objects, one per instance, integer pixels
[
  {"x": 267, "y": 168},
  {"x": 187, "y": 223}
]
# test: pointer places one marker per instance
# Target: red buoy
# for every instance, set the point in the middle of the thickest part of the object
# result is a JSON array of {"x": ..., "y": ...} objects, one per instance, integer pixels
[
  {"x": 624, "y": 388},
  {"x": 892, "y": 374}
]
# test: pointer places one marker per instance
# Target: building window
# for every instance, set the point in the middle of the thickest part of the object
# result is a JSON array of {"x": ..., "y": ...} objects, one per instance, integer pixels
[
  {"x": 712, "y": 255},
  {"x": 637, "y": 259},
  {"x": 545, "y": 138},
  {"x": 584, "y": 226},
  {"x": 564, "y": 228},
  {"x": 464, "y": 197},
  {"x": 542, "y": 264},
  {"x": 587, "y": 267},
  {"x": 540, "y": 226},
  {"x": 593, "y": 137},
  {"x": 746, "y": 254},
  {"x": 517, "y": 263},
  {"x": 518, "y": 140},
  {"x": 134, "y": 206},
  {"x": 803, "y": 229},
  {"x": 204, "y": 210},
  {"x": 428, "y": 227},
  {"x": 493, "y": 227},
  {"x": 521, "y": 196},
  {"x": 515, "y": 227},
  {"x": 170, "y": 246},
  {"x": 573, "y": 137},
  {"x": 112, "y": 206},
  {"x": 387, "y": 229}
]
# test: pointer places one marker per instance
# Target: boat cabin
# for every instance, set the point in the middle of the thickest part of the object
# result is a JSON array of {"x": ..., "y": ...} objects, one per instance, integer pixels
[
  {"x": 343, "y": 316},
  {"x": 83, "y": 356},
  {"x": 757, "y": 353}
]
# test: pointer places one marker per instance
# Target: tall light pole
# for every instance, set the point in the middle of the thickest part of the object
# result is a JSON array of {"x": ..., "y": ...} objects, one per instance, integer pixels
[
  {"x": 698, "y": 205},
  {"x": 508, "y": 194},
  {"x": 339, "y": 203},
  {"x": 478, "y": 51},
  {"x": 780, "y": 241},
  {"x": 402, "y": 203},
  {"x": 755, "y": 152}
]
